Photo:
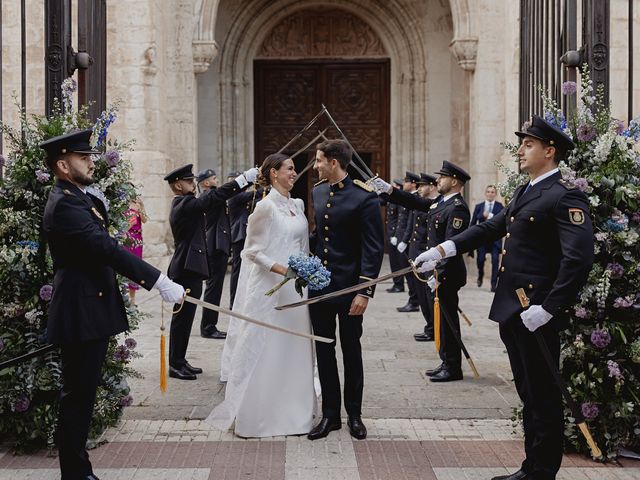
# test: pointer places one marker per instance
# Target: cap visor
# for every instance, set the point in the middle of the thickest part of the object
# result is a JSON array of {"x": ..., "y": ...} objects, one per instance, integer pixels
[
  {"x": 528, "y": 134},
  {"x": 89, "y": 151}
]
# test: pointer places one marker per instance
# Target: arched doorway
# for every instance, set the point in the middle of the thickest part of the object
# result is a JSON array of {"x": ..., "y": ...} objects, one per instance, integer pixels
[{"x": 322, "y": 56}]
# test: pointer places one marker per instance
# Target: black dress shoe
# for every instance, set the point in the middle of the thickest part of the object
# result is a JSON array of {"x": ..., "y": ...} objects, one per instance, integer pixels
[
  {"x": 181, "y": 374},
  {"x": 325, "y": 426},
  {"x": 395, "y": 289},
  {"x": 191, "y": 369},
  {"x": 519, "y": 475},
  {"x": 91, "y": 476},
  {"x": 423, "y": 337},
  {"x": 357, "y": 428},
  {"x": 433, "y": 371},
  {"x": 213, "y": 332},
  {"x": 409, "y": 308},
  {"x": 446, "y": 375},
  {"x": 493, "y": 288},
  {"x": 479, "y": 282}
]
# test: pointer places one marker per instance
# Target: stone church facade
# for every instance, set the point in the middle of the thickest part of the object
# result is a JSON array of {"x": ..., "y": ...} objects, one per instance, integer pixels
[{"x": 415, "y": 81}]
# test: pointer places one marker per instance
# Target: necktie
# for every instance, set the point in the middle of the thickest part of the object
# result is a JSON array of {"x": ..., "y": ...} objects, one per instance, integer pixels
[
  {"x": 490, "y": 207},
  {"x": 528, "y": 187}
]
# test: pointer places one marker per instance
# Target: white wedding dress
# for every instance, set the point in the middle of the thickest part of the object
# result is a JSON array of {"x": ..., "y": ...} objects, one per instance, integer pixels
[{"x": 270, "y": 375}]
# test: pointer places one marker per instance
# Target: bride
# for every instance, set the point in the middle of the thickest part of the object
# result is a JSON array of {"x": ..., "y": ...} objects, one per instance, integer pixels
[{"x": 269, "y": 374}]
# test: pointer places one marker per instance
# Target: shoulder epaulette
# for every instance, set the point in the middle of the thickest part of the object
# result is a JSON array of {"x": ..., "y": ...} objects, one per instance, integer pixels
[
  {"x": 566, "y": 184},
  {"x": 457, "y": 201},
  {"x": 320, "y": 182},
  {"x": 68, "y": 192},
  {"x": 362, "y": 185}
]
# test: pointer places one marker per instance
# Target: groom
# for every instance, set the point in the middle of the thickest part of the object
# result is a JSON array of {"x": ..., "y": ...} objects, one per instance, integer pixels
[{"x": 348, "y": 238}]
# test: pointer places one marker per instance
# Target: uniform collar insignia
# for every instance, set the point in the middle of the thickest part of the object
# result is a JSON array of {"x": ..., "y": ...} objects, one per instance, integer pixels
[{"x": 97, "y": 213}]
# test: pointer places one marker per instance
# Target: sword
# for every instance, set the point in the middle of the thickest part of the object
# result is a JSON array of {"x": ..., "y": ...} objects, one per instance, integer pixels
[
  {"x": 304, "y": 129},
  {"x": 344, "y": 291},
  {"x": 576, "y": 412},
  {"x": 352, "y": 163},
  {"x": 216, "y": 308}
]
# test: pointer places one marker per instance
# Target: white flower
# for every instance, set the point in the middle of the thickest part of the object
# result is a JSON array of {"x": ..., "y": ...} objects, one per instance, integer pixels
[
  {"x": 594, "y": 200},
  {"x": 603, "y": 147}
]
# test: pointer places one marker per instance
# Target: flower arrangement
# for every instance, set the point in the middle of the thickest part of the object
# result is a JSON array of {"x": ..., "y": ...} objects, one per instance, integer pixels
[
  {"x": 308, "y": 271},
  {"x": 29, "y": 390},
  {"x": 600, "y": 353}
]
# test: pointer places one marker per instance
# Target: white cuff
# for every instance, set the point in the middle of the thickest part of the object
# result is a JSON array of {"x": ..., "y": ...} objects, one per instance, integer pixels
[
  {"x": 449, "y": 249},
  {"x": 161, "y": 279},
  {"x": 241, "y": 181}
]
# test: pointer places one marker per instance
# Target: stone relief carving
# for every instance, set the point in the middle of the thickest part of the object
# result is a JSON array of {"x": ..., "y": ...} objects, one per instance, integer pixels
[
  {"x": 465, "y": 50},
  {"x": 322, "y": 33},
  {"x": 204, "y": 52}
]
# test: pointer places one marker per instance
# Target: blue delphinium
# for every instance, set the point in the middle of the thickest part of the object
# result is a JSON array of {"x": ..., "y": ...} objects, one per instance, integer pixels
[{"x": 308, "y": 271}]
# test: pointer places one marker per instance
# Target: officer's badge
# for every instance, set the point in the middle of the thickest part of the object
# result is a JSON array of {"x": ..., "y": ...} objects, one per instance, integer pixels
[
  {"x": 457, "y": 223},
  {"x": 97, "y": 213},
  {"x": 576, "y": 216}
]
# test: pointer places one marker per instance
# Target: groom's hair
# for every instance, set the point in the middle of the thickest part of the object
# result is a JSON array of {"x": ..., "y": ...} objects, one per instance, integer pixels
[{"x": 338, "y": 149}]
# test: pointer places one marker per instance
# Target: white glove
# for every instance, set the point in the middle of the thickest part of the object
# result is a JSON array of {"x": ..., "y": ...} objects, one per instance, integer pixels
[
  {"x": 394, "y": 241},
  {"x": 170, "y": 291},
  {"x": 380, "y": 186},
  {"x": 432, "y": 283},
  {"x": 250, "y": 176},
  {"x": 427, "y": 266},
  {"x": 401, "y": 247},
  {"x": 534, "y": 317}
]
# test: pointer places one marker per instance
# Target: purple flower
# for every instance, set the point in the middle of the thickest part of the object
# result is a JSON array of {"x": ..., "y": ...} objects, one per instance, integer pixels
[
  {"x": 635, "y": 217},
  {"x": 600, "y": 338},
  {"x": 590, "y": 410},
  {"x": 122, "y": 353},
  {"x": 46, "y": 292},
  {"x": 126, "y": 401},
  {"x": 130, "y": 343},
  {"x": 586, "y": 133},
  {"x": 1, "y": 344},
  {"x": 42, "y": 176},
  {"x": 581, "y": 183},
  {"x": 619, "y": 126},
  {"x": 69, "y": 86},
  {"x": 21, "y": 404},
  {"x": 569, "y": 88},
  {"x": 622, "y": 302},
  {"x": 614, "y": 370},
  {"x": 616, "y": 270},
  {"x": 601, "y": 236},
  {"x": 112, "y": 157},
  {"x": 581, "y": 312}
]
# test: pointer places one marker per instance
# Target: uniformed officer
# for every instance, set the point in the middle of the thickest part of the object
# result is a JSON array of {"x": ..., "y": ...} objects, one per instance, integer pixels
[
  {"x": 446, "y": 217},
  {"x": 393, "y": 210},
  {"x": 349, "y": 239},
  {"x": 87, "y": 307},
  {"x": 189, "y": 265},
  {"x": 240, "y": 207},
  {"x": 410, "y": 185},
  {"x": 218, "y": 237},
  {"x": 548, "y": 253}
]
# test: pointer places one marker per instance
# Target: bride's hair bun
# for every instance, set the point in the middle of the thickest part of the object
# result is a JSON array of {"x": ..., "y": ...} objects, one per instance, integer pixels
[{"x": 275, "y": 160}]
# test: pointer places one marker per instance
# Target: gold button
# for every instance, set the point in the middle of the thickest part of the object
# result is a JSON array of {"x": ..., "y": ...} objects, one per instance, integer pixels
[
  {"x": 508, "y": 235},
  {"x": 141, "y": 282},
  {"x": 512, "y": 219},
  {"x": 325, "y": 262},
  {"x": 199, "y": 251},
  {"x": 416, "y": 224},
  {"x": 326, "y": 216},
  {"x": 99, "y": 294},
  {"x": 326, "y": 251},
  {"x": 531, "y": 219},
  {"x": 502, "y": 269},
  {"x": 331, "y": 194},
  {"x": 326, "y": 239},
  {"x": 504, "y": 252},
  {"x": 326, "y": 228},
  {"x": 328, "y": 205},
  {"x": 224, "y": 231},
  {"x": 427, "y": 238},
  {"x": 530, "y": 287}
]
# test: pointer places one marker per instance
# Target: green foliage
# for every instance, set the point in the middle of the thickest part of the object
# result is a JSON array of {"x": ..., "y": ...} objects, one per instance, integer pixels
[{"x": 29, "y": 391}]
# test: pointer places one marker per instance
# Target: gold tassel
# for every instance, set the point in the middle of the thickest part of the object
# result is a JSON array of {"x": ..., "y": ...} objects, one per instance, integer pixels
[
  {"x": 163, "y": 356},
  {"x": 436, "y": 315}
]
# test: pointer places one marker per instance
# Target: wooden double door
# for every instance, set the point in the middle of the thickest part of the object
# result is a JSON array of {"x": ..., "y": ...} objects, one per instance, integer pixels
[{"x": 288, "y": 94}]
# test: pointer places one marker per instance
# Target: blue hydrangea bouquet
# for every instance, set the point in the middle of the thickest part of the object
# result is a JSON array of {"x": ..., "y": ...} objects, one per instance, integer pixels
[{"x": 308, "y": 271}]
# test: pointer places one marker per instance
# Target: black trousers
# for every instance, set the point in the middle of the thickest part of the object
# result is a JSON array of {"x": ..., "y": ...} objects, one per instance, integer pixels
[
  {"x": 396, "y": 264},
  {"x": 421, "y": 293},
  {"x": 404, "y": 262},
  {"x": 182, "y": 322},
  {"x": 81, "y": 373},
  {"x": 213, "y": 287},
  {"x": 323, "y": 319},
  {"x": 543, "y": 412},
  {"x": 236, "y": 263},
  {"x": 494, "y": 250},
  {"x": 450, "y": 352}
]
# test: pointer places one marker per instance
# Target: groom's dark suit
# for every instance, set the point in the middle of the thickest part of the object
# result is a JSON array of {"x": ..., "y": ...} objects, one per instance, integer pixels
[{"x": 349, "y": 239}]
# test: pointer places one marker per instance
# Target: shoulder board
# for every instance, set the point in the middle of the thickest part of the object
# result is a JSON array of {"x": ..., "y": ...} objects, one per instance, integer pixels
[
  {"x": 457, "y": 201},
  {"x": 566, "y": 184},
  {"x": 320, "y": 182},
  {"x": 362, "y": 185},
  {"x": 68, "y": 192}
]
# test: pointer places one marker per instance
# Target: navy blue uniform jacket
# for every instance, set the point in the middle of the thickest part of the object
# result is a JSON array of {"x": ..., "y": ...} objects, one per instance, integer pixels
[{"x": 87, "y": 303}]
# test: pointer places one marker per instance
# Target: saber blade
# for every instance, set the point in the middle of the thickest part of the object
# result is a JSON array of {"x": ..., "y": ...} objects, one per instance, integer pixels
[
  {"x": 344, "y": 291},
  {"x": 216, "y": 308}
]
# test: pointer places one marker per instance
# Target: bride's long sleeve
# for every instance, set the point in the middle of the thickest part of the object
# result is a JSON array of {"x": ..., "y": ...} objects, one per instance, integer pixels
[{"x": 259, "y": 235}]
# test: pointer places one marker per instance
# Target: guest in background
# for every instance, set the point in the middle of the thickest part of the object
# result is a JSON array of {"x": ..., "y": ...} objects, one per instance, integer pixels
[
  {"x": 484, "y": 211},
  {"x": 136, "y": 216}
]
